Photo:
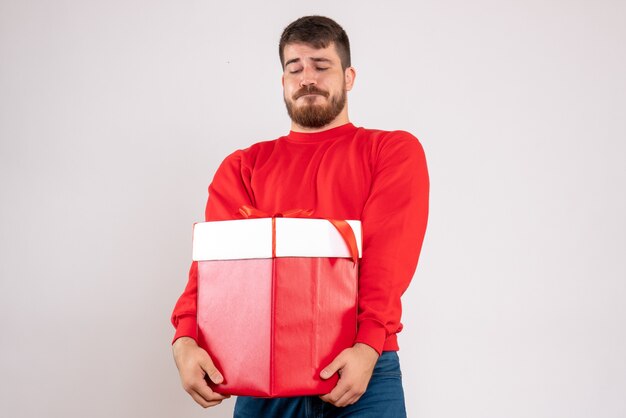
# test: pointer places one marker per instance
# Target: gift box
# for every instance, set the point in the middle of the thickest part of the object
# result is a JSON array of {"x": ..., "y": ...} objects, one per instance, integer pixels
[{"x": 277, "y": 301}]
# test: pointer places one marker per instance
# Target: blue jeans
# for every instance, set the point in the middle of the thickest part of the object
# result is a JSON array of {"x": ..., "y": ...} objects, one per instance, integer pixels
[{"x": 384, "y": 397}]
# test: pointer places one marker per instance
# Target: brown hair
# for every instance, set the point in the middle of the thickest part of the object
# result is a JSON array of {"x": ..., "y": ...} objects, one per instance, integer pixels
[{"x": 318, "y": 32}]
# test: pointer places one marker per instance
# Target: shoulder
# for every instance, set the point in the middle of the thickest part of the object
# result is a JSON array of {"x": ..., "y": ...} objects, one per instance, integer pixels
[
  {"x": 246, "y": 157},
  {"x": 387, "y": 143}
]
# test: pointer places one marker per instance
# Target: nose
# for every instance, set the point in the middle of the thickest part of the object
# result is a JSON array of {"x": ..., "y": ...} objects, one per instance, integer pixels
[{"x": 307, "y": 77}]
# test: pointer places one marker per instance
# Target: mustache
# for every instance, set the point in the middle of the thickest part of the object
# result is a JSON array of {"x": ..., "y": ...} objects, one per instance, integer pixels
[{"x": 310, "y": 89}]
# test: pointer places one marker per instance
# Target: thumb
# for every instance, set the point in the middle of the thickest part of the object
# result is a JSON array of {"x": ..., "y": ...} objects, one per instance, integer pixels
[
  {"x": 332, "y": 368},
  {"x": 210, "y": 369}
]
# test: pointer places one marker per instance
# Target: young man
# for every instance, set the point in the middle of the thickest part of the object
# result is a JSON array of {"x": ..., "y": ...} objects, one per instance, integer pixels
[{"x": 343, "y": 172}]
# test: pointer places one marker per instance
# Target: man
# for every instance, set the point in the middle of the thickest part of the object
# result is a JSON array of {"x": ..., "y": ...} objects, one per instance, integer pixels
[{"x": 340, "y": 171}]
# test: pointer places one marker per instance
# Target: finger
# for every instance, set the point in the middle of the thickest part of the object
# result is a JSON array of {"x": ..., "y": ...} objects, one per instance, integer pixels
[
  {"x": 209, "y": 395},
  {"x": 201, "y": 401},
  {"x": 204, "y": 390},
  {"x": 347, "y": 400},
  {"x": 207, "y": 365},
  {"x": 343, "y": 400},
  {"x": 335, "y": 366},
  {"x": 336, "y": 394}
]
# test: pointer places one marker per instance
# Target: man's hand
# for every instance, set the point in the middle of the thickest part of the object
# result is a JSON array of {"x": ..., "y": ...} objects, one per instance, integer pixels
[
  {"x": 193, "y": 365},
  {"x": 354, "y": 366}
]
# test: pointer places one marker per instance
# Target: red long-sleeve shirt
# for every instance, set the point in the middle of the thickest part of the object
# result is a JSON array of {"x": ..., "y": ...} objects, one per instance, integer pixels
[{"x": 378, "y": 177}]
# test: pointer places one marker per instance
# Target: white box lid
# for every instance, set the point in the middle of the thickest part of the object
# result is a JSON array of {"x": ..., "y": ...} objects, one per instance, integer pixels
[{"x": 252, "y": 238}]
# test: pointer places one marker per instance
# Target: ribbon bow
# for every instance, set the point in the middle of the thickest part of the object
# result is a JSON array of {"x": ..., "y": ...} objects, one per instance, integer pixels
[
  {"x": 343, "y": 227},
  {"x": 252, "y": 212}
]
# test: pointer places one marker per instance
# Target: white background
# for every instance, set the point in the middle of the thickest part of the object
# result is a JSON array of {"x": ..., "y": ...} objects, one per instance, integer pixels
[{"x": 115, "y": 114}]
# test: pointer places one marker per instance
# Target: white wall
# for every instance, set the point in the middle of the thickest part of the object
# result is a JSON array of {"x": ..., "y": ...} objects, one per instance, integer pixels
[{"x": 114, "y": 116}]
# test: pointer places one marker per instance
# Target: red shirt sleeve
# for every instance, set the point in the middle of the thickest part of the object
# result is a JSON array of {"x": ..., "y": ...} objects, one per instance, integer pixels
[
  {"x": 229, "y": 190},
  {"x": 394, "y": 223}
]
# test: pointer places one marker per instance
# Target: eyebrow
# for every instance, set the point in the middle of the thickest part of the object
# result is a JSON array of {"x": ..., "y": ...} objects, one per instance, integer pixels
[{"x": 315, "y": 59}]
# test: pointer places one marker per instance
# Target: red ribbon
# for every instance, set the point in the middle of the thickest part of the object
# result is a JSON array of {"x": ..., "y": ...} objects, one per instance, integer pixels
[
  {"x": 252, "y": 212},
  {"x": 343, "y": 227}
]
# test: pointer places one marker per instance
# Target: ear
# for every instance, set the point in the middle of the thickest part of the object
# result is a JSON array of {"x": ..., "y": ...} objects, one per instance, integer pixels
[
  {"x": 282, "y": 80},
  {"x": 349, "y": 76}
]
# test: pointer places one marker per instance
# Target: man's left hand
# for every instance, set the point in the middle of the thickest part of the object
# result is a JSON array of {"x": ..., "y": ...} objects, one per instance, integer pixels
[{"x": 354, "y": 366}]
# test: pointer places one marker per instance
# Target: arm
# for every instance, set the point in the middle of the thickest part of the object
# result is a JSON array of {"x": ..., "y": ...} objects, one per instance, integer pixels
[
  {"x": 394, "y": 223},
  {"x": 228, "y": 191}
]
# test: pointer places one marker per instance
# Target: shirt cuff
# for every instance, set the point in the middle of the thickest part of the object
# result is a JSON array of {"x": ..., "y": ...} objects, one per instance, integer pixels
[
  {"x": 187, "y": 327},
  {"x": 372, "y": 333}
]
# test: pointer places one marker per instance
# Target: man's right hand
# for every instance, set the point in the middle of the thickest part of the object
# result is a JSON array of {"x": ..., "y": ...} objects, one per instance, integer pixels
[{"x": 193, "y": 365}]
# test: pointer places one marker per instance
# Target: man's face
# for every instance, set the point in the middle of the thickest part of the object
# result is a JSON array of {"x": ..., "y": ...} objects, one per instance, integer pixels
[{"x": 314, "y": 84}]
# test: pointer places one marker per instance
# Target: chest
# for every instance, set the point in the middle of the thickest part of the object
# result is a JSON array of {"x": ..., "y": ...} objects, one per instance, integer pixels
[{"x": 333, "y": 179}]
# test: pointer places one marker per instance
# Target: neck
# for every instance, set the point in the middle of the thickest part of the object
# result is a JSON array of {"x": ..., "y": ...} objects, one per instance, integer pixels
[{"x": 341, "y": 119}]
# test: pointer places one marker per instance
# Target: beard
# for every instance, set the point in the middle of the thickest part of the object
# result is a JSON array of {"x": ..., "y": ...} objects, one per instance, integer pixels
[{"x": 315, "y": 115}]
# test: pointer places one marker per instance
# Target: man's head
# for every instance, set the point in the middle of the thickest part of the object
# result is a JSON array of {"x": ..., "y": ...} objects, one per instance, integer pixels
[
  {"x": 315, "y": 57},
  {"x": 318, "y": 32}
]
